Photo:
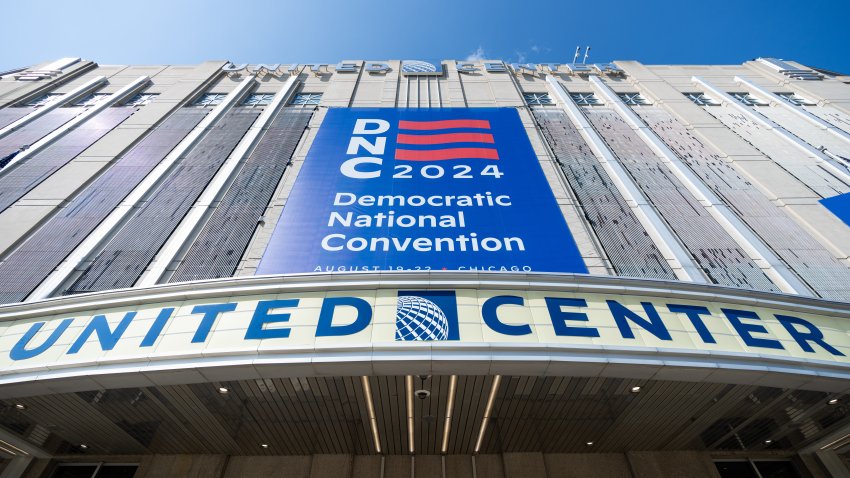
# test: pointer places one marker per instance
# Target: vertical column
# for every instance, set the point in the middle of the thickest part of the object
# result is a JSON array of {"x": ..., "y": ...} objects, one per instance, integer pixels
[
  {"x": 71, "y": 96},
  {"x": 749, "y": 242},
  {"x": 116, "y": 218},
  {"x": 114, "y": 98},
  {"x": 806, "y": 115},
  {"x": 680, "y": 261},
  {"x": 193, "y": 220},
  {"x": 823, "y": 160}
]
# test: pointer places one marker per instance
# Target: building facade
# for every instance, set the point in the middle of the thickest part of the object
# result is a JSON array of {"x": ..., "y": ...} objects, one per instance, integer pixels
[{"x": 403, "y": 268}]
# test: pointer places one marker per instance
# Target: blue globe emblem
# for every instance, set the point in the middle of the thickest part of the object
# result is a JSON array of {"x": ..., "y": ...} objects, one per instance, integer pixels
[
  {"x": 417, "y": 318},
  {"x": 416, "y": 66}
]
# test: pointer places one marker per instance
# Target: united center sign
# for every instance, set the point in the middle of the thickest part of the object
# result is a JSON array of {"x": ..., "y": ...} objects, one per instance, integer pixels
[{"x": 244, "y": 324}]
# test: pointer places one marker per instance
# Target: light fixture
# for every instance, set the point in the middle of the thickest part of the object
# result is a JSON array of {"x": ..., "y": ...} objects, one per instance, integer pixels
[
  {"x": 264, "y": 445},
  {"x": 408, "y": 385},
  {"x": 487, "y": 410},
  {"x": 83, "y": 446},
  {"x": 20, "y": 406},
  {"x": 449, "y": 410},
  {"x": 223, "y": 390},
  {"x": 832, "y": 401},
  {"x": 636, "y": 389},
  {"x": 590, "y": 443},
  {"x": 768, "y": 442},
  {"x": 370, "y": 408}
]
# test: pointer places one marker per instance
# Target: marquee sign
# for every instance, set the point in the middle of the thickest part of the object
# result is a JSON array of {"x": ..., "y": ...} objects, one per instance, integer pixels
[
  {"x": 408, "y": 189},
  {"x": 240, "y": 326}
]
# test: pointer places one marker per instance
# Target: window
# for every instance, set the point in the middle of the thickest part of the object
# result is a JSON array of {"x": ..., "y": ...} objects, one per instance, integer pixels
[
  {"x": 258, "y": 99},
  {"x": 538, "y": 99},
  {"x": 42, "y": 100},
  {"x": 90, "y": 100},
  {"x": 93, "y": 470},
  {"x": 585, "y": 99},
  {"x": 210, "y": 99},
  {"x": 748, "y": 99},
  {"x": 140, "y": 99},
  {"x": 795, "y": 100},
  {"x": 307, "y": 99},
  {"x": 747, "y": 469},
  {"x": 701, "y": 100},
  {"x": 633, "y": 99}
]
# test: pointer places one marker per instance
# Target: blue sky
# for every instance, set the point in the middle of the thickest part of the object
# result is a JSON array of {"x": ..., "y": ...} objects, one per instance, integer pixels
[{"x": 265, "y": 31}]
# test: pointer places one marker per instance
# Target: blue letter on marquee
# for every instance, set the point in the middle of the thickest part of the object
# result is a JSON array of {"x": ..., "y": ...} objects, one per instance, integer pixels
[
  {"x": 262, "y": 316},
  {"x": 326, "y": 328},
  {"x": 812, "y": 334},
  {"x": 20, "y": 352},
  {"x": 746, "y": 330},
  {"x": 157, "y": 326},
  {"x": 210, "y": 312},
  {"x": 100, "y": 327},
  {"x": 693, "y": 312},
  {"x": 654, "y": 325},
  {"x": 488, "y": 313},
  {"x": 559, "y": 317}
]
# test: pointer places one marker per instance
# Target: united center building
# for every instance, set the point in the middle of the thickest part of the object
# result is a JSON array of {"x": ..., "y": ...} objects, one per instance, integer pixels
[{"x": 424, "y": 269}]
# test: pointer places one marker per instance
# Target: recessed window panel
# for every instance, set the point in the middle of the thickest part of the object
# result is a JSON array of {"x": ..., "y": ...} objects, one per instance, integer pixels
[
  {"x": 210, "y": 99},
  {"x": 90, "y": 100},
  {"x": 258, "y": 99},
  {"x": 633, "y": 99},
  {"x": 585, "y": 99},
  {"x": 701, "y": 100},
  {"x": 538, "y": 99},
  {"x": 748, "y": 99},
  {"x": 141, "y": 99},
  {"x": 307, "y": 99},
  {"x": 796, "y": 100},
  {"x": 42, "y": 100}
]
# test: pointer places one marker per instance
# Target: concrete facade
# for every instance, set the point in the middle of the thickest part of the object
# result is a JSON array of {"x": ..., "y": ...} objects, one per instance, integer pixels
[{"x": 654, "y": 181}]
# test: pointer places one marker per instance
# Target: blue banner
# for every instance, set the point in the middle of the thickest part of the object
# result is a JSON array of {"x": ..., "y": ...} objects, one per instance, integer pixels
[
  {"x": 406, "y": 189},
  {"x": 839, "y": 205}
]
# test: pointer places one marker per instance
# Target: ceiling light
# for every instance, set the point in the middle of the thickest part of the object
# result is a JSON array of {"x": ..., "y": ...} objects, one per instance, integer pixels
[
  {"x": 636, "y": 389},
  {"x": 83, "y": 446},
  {"x": 20, "y": 406},
  {"x": 264, "y": 445},
  {"x": 768, "y": 442},
  {"x": 832, "y": 401},
  {"x": 590, "y": 443},
  {"x": 223, "y": 390}
]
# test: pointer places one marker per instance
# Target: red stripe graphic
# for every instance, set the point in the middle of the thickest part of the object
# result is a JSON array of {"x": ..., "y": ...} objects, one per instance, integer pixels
[
  {"x": 443, "y": 154},
  {"x": 444, "y": 124},
  {"x": 445, "y": 138}
]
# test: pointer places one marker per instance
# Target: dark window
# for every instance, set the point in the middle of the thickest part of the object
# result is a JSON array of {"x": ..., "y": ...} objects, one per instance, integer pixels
[
  {"x": 776, "y": 469},
  {"x": 747, "y": 469},
  {"x": 735, "y": 469},
  {"x": 93, "y": 471},
  {"x": 74, "y": 471}
]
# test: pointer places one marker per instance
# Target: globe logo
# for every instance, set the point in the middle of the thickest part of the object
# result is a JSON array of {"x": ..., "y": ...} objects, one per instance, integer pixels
[
  {"x": 417, "y": 318},
  {"x": 417, "y": 66}
]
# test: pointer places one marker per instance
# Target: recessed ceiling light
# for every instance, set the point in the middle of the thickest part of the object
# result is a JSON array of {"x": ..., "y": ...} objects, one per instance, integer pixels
[
  {"x": 590, "y": 443},
  {"x": 264, "y": 445},
  {"x": 768, "y": 442},
  {"x": 223, "y": 390},
  {"x": 832, "y": 401},
  {"x": 20, "y": 406},
  {"x": 636, "y": 389},
  {"x": 83, "y": 446}
]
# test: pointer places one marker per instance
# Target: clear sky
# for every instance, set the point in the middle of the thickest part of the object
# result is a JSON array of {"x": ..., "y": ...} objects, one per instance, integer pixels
[{"x": 813, "y": 32}]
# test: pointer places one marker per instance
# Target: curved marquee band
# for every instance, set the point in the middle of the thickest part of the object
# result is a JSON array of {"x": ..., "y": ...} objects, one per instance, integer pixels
[{"x": 343, "y": 324}]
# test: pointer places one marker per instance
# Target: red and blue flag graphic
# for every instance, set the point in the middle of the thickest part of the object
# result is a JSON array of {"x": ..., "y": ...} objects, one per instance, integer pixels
[{"x": 444, "y": 140}]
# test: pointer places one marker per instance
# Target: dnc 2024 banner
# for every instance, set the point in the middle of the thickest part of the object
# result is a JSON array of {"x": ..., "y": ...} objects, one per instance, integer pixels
[{"x": 406, "y": 189}]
